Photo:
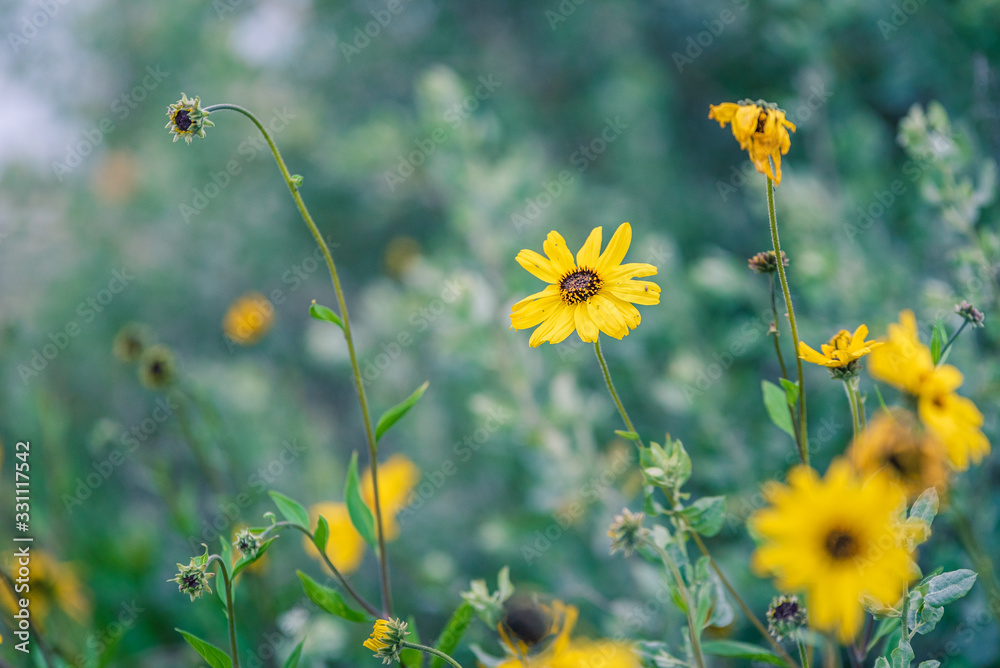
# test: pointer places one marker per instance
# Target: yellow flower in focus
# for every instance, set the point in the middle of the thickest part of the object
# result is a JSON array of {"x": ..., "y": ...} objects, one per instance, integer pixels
[
  {"x": 907, "y": 365},
  {"x": 838, "y": 539},
  {"x": 894, "y": 443},
  {"x": 345, "y": 548},
  {"x": 388, "y": 638},
  {"x": 760, "y": 128},
  {"x": 564, "y": 652},
  {"x": 248, "y": 319},
  {"x": 593, "y": 293},
  {"x": 843, "y": 349},
  {"x": 54, "y": 585}
]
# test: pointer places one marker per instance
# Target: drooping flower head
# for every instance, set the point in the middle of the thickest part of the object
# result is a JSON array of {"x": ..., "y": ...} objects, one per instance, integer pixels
[
  {"x": 761, "y": 129},
  {"x": 248, "y": 319},
  {"x": 906, "y": 364},
  {"x": 766, "y": 262},
  {"x": 387, "y": 639},
  {"x": 837, "y": 539},
  {"x": 593, "y": 293},
  {"x": 842, "y": 353},
  {"x": 187, "y": 119}
]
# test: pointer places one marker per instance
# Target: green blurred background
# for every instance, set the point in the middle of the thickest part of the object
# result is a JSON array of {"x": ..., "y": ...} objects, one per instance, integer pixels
[{"x": 432, "y": 149}]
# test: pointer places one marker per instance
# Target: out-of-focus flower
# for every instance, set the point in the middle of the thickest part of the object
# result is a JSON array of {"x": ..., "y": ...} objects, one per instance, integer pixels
[
  {"x": 766, "y": 262},
  {"x": 627, "y": 533},
  {"x": 894, "y": 443},
  {"x": 248, "y": 319},
  {"x": 131, "y": 341},
  {"x": 838, "y": 539},
  {"x": 761, "y": 129},
  {"x": 785, "y": 616},
  {"x": 971, "y": 314},
  {"x": 157, "y": 369},
  {"x": 54, "y": 586},
  {"x": 593, "y": 293}
]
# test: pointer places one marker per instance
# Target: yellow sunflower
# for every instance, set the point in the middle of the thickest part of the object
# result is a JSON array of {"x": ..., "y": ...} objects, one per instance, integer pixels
[
  {"x": 838, "y": 539},
  {"x": 593, "y": 294},
  {"x": 906, "y": 364},
  {"x": 843, "y": 349},
  {"x": 248, "y": 319},
  {"x": 894, "y": 443},
  {"x": 346, "y": 548},
  {"x": 760, "y": 128}
]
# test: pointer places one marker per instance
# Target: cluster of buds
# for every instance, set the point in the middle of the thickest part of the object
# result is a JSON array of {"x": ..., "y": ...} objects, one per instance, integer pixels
[
  {"x": 971, "y": 314},
  {"x": 766, "y": 262}
]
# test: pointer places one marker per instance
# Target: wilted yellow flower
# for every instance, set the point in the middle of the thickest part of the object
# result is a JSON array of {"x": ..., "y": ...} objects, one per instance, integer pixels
[
  {"x": 760, "y": 128},
  {"x": 54, "y": 585},
  {"x": 248, "y": 319},
  {"x": 345, "y": 548},
  {"x": 838, "y": 539},
  {"x": 906, "y": 364},
  {"x": 564, "y": 652},
  {"x": 843, "y": 351},
  {"x": 387, "y": 639},
  {"x": 895, "y": 444},
  {"x": 593, "y": 294}
]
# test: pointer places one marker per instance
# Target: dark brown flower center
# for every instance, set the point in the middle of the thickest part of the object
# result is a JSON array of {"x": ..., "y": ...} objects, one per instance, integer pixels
[
  {"x": 906, "y": 463},
  {"x": 786, "y": 610},
  {"x": 579, "y": 286},
  {"x": 182, "y": 119},
  {"x": 841, "y": 545}
]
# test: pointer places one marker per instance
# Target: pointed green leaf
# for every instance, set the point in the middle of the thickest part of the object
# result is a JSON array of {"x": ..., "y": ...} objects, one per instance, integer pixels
[
  {"x": 361, "y": 516},
  {"x": 776, "y": 402},
  {"x": 949, "y": 587},
  {"x": 926, "y": 506},
  {"x": 630, "y": 435},
  {"x": 881, "y": 662},
  {"x": 740, "y": 650},
  {"x": 328, "y": 599},
  {"x": 291, "y": 509},
  {"x": 938, "y": 336},
  {"x": 293, "y": 658},
  {"x": 791, "y": 391},
  {"x": 215, "y": 656},
  {"x": 322, "y": 534},
  {"x": 902, "y": 656},
  {"x": 453, "y": 632},
  {"x": 393, "y": 415},
  {"x": 706, "y": 515},
  {"x": 324, "y": 314}
]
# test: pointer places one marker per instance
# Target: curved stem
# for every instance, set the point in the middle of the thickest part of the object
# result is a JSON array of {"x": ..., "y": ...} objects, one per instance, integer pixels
[
  {"x": 337, "y": 574},
  {"x": 614, "y": 393},
  {"x": 345, "y": 319},
  {"x": 231, "y": 613},
  {"x": 803, "y": 441},
  {"x": 693, "y": 633},
  {"x": 431, "y": 650},
  {"x": 778, "y": 649}
]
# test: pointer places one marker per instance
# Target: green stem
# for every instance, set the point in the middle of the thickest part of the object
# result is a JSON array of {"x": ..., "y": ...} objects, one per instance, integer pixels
[
  {"x": 614, "y": 393},
  {"x": 345, "y": 319},
  {"x": 803, "y": 441},
  {"x": 852, "y": 399},
  {"x": 803, "y": 655},
  {"x": 431, "y": 650},
  {"x": 689, "y": 609},
  {"x": 781, "y": 359},
  {"x": 230, "y": 611},
  {"x": 952, "y": 340}
]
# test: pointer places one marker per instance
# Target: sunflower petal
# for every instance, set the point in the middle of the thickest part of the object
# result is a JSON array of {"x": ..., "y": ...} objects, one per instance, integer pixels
[
  {"x": 589, "y": 253},
  {"x": 617, "y": 247},
  {"x": 555, "y": 248},
  {"x": 538, "y": 265}
]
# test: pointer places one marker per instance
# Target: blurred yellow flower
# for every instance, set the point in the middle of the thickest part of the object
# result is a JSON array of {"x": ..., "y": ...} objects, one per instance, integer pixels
[
  {"x": 593, "y": 294},
  {"x": 564, "y": 652},
  {"x": 54, "y": 585},
  {"x": 760, "y": 128},
  {"x": 907, "y": 365},
  {"x": 397, "y": 476},
  {"x": 894, "y": 443},
  {"x": 838, "y": 539},
  {"x": 843, "y": 349},
  {"x": 248, "y": 319}
]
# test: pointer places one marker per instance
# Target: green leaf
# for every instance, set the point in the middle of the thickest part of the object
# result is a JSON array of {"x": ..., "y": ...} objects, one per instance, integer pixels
[
  {"x": 902, "y": 656},
  {"x": 630, "y": 435},
  {"x": 740, "y": 650},
  {"x": 791, "y": 391},
  {"x": 881, "y": 662},
  {"x": 322, "y": 534},
  {"x": 409, "y": 657},
  {"x": 361, "y": 516},
  {"x": 245, "y": 562},
  {"x": 291, "y": 510},
  {"x": 926, "y": 506},
  {"x": 215, "y": 656},
  {"x": 453, "y": 632},
  {"x": 293, "y": 658},
  {"x": 393, "y": 415},
  {"x": 703, "y": 605},
  {"x": 929, "y": 664},
  {"x": 938, "y": 337},
  {"x": 949, "y": 587},
  {"x": 328, "y": 599},
  {"x": 706, "y": 515},
  {"x": 776, "y": 402},
  {"x": 326, "y": 315}
]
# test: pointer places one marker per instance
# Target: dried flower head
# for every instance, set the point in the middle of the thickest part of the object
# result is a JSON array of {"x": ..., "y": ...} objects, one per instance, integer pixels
[
  {"x": 157, "y": 368},
  {"x": 387, "y": 639},
  {"x": 766, "y": 262},
  {"x": 187, "y": 119},
  {"x": 973, "y": 315},
  {"x": 761, "y": 129},
  {"x": 131, "y": 341},
  {"x": 785, "y": 617},
  {"x": 627, "y": 533}
]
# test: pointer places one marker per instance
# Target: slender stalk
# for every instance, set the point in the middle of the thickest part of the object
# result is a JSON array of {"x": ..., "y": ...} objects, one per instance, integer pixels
[
  {"x": 952, "y": 339},
  {"x": 345, "y": 319},
  {"x": 778, "y": 649},
  {"x": 614, "y": 393},
  {"x": 231, "y": 612},
  {"x": 803, "y": 652},
  {"x": 431, "y": 650},
  {"x": 693, "y": 632},
  {"x": 803, "y": 441},
  {"x": 333, "y": 569},
  {"x": 781, "y": 359},
  {"x": 853, "y": 401}
]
